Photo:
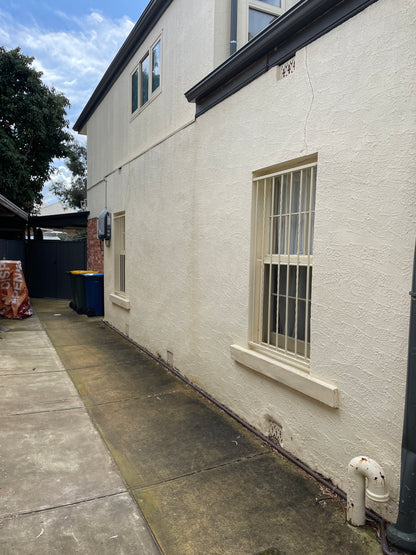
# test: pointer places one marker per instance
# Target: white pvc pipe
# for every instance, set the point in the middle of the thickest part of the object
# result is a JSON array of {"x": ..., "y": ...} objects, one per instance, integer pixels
[{"x": 362, "y": 470}]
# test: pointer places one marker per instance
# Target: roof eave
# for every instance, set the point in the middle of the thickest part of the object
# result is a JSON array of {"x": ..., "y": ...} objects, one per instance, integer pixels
[
  {"x": 278, "y": 33},
  {"x": 6, "y": 203}
]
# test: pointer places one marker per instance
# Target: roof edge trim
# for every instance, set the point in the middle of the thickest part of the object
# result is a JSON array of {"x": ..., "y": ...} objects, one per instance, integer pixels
[
  {"x": 299, "y": 26},
  {"x": 13, "y": 208}
]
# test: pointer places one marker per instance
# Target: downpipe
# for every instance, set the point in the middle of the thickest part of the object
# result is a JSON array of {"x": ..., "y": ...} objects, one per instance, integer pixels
[
  {"x": 367, "y": 478},
  {"x": 403, "y": 533},
  {"x": 233, "y": 28}
]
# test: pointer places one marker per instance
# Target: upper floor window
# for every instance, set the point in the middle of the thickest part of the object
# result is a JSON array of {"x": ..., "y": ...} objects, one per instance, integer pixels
[
  {"x": 261, "y": 13},
  {"x": 146, "y": 79}
]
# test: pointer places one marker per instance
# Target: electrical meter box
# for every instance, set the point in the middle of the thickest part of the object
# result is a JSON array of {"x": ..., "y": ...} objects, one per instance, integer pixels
[{"x": 104, "y": 225}]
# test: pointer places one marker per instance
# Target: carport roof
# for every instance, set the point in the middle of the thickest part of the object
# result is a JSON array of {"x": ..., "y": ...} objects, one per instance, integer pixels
[
  {"x": 57, "y": 221},
  {"x": 11, "y": 216}
]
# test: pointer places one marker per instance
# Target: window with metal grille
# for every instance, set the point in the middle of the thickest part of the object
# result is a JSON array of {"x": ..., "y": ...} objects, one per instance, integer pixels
[
  {"x": 119, "y": 252},
  {"x": 284, "y": 211}
]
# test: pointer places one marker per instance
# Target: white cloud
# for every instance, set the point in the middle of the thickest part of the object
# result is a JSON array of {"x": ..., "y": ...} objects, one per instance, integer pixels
[
  {"x": 62, "y": 175},
  {"x": 72, "y": 61}
]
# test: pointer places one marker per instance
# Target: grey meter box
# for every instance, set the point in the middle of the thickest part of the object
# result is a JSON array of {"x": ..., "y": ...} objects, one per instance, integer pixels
[{"x": 104, "y": 225}]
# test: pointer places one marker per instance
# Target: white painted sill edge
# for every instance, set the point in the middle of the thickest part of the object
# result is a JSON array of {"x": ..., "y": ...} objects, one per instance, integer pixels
[
  {"x": 120, "y": 301},
  {"x": 290, "y": 376}
]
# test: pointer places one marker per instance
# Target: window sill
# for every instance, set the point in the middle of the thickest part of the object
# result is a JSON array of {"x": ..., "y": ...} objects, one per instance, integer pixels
[
  {"x": 290, "y": 376},
  {"x": 117, "y": 299},
  {"x": 140, "y": 109}
]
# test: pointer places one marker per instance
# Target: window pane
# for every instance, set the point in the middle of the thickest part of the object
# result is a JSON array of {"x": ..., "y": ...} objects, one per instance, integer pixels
[
  {"x": 282, "y": 317},
  {"x": 294, "y": 233},
  {"x": 285, "y": 194},
  {"x": 295, "y": 191},
  {"x": 306, "y": 190},
  {"x": 302, "y": 282},
  {"x": 122, "y": 272},
  {"x": 283, "y": 280},
  {"x": 156, "y": 67},
  {"x": 312, "y": 226},
  {"x": 257, "y": 21},
  {"x": 301, "y": 320},
  {"x": 304, "y": 233},
  {"x": 144, "y": 81},
  {"x": 292, "y": 281},
  {"x": 135, "y": 91},
  {"x": 277, "y": 194},
  {"x": 276, "y": 3},
  {"x": 291, "y": 318},
  {"x": 276, "y": 230}
]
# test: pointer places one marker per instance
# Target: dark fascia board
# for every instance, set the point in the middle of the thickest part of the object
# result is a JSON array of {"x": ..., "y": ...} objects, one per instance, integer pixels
[
  {"x": 298, "y": 27},
  {"x": 10, "y": 207},
  {"x": 73, "y": 219},
  {"x": 137, "y": 36}
]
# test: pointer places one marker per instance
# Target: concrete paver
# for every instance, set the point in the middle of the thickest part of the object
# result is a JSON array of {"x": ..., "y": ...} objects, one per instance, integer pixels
[
  {"x": 108, "y": 526},
  {"x": 31, "y": 393},
  {"x": 248, "y": 506},
  {"x": 53, "y": 458},
  {"x": 31, "y": 360},
  {"x": 164, "y": 436}
]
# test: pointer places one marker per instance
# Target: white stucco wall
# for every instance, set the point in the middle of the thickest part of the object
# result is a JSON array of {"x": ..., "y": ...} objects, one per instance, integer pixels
[
  {"x": 187, "y": 31},
  {"x": 351, "y": 100}
]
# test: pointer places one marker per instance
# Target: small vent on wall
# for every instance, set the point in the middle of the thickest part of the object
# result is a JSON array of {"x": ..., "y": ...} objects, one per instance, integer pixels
[
  {"x": 286, "y": 69},
  {"x": 274, "y": 431}
]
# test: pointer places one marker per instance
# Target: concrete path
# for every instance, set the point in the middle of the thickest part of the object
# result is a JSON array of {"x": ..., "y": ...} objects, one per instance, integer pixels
[
  {"x": 204, "y": 484},
  {"x": 60, "y": 490}
]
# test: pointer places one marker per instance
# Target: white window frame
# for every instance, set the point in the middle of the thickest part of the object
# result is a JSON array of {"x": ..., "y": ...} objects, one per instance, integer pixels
[
  {"x": 119, "y": 235},
  {"x": 137, "y": 75},
  {"x": 263, "y": 7},
  {"x": 283, "y": 224}
]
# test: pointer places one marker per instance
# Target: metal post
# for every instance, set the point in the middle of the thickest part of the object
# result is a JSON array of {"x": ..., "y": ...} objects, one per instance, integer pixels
[
  {"x": 233, "y": 30},
  {"x": 403, "y": 533}
]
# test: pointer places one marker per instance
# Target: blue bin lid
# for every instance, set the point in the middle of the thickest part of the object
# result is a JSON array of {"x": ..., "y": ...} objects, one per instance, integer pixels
[{"x": 95, "y": 274}]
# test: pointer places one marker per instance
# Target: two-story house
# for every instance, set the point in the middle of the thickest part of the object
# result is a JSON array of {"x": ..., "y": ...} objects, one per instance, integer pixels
[{"x": 258, "y": 161}]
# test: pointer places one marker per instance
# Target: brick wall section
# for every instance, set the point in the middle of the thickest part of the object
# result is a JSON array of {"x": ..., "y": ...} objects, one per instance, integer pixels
[{"x": 95, "y": 248}]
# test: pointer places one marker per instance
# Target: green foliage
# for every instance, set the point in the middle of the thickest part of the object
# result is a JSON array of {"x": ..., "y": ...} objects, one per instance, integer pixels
[
  {"x": 32, "y": 129},
  {"x": 76, "y": 162}
]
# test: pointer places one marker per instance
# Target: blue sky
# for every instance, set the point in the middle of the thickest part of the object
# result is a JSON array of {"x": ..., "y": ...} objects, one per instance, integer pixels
[{"x": 72, "y": 42}]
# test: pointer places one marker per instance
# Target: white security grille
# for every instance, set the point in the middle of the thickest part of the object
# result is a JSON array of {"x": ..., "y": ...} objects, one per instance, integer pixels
[{"x": 283, "y": 228}]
